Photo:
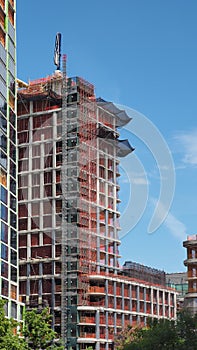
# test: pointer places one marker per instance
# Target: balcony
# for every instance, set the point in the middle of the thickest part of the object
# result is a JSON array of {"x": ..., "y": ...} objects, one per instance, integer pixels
[
  {"x": 97, "y": 290},
  {"x": 87, "y": 319},
  {"x": 87, "y": 335}
]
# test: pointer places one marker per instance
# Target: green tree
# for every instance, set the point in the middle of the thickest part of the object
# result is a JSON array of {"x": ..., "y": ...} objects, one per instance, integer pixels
[
  {"x": 126, "y": 336},
  {"x": 166, "y": 334},
  {"x": 187, "y": 330},
  {"x": 38, "y": 332},
  {"x": 8, "y": 339}
]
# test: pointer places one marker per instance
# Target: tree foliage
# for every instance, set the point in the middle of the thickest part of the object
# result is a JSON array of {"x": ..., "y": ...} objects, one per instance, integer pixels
[
  {"x": 162, "y": 334},
  {"x": 38, "y": 332},
  {"x": 9, "y": 339}
]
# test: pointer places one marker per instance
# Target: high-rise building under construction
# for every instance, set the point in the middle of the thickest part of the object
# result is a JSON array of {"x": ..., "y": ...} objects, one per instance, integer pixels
[
  {"x": 68, "y": 215},
  {"x": 9, "y": 289}
]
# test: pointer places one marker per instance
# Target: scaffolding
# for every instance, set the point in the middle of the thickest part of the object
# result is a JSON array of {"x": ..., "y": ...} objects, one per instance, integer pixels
[
  {"x": 79, "y": 195},
  {"x": 144, "y": 273},
  {"x": 68, "y": 178}
]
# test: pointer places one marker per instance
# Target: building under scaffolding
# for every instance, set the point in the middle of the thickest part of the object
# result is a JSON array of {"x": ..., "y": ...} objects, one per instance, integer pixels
[
  {"x": 69, "y": 151},
  {"x": 144, "y": 273}
]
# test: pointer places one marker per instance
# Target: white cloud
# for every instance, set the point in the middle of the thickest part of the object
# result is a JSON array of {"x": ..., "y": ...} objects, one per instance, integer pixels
[
  {"x": 188, "y": 141},
  {"x": 174, "y": 225}
]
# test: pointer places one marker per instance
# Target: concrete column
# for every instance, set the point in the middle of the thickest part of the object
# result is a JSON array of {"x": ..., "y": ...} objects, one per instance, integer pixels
[
  {"x": 163, "y": 303},
  {"x": 106, "y": 293},
  {"x": 40, "y": 283},
  {"x": 115, "y": 295},
  {"x": 130, "y": 297},
  {"x": 122, "y": 292},
  {"x": 145, "y": 300},
  {"x": 138, "y": 299},
  {"x": 169, "y": 306},
  {"x": 151, "y": 298},
  {"x": 106, "y": 241},
  {"x": 107, "y": 329},
  {"x": 157, "y": 302},
  {"x": 97, "y": 328},
  {"x": 28, "y": 283},
  {"x": 98, "y": 239}
]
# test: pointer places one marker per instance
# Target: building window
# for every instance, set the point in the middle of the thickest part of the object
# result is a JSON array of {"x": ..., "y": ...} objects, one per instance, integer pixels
[
  {"x": 3, "y": 123},
  {"x": 22, "y": 224},
  {"x": 13, "y": 292},
  {"x": 13, "y": 118},
  {"x": 13, "y": 151},
  {"x": 48, "y": 177},
  {"x": 3, "y": 142},
  {"x": 12, "y": 169},
  {"x": 23, "y": 181},
  {"x": 48, "y": 148},
  {"x": 23, "y": 137},
  {"x": 35, "y": 209},
  {"x": 13, "y": 274},
  {"x": 3, "y": 159},
  {"x": 35, "y": 163},
  {"x": 58, "y": 189},
  {"x": 35, "y": 223},
  {"x": 4, "y": 213},
  {"x": 23, "y": 124},
  {"x": 13, "y": 238},
  {"x": 47, "y": 221},
  {"x": 23, "y": 194},
  {"x": 34, "y": 239},
  {"x": 35, "y": 192},
  {"x": 4, "y": 269},
  {"x": 22, "y": 240},
  {"x": 23, "y": 152},
  {"x": 4, "y": 233},
  {"x": 13, "y": 257},
  {"x": 47, "y": 207},
  {"x": 4, "y": 252},
  {"x": 36, "y": 151},
  {"x": 4, "y": 287},
  {"x": 12, "y": 202},
  {"x": 35, "y": 179},
  {"x": 12, "y": 135},
  {"x": 23, "y": 165},
  {"x": 4, "y": 195},
  {"x": 48, "y": 162},
  {"x": 3, "y": 177},
  {"x": 47, "y": 190},
  {"x": 47, "y": 239},
  {"x": 12, "y": 185},
  {"x": 13, "y": 219},
  {"x": 13, "y": 310}
]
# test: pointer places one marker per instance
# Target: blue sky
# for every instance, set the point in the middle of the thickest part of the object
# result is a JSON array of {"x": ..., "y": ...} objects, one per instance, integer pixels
[{"x": 141, "y": 54}]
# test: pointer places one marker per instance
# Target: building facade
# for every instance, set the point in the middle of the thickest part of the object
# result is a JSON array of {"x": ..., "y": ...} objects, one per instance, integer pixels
[
  {"x": 69, "y": 151},
  {"x": 190, "y": 300},
  {"x": 9, "y": 289},
  {"x": 179, "y": 281}
]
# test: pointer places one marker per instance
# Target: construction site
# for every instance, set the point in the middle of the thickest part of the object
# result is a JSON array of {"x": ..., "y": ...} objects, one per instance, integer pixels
[
  {"x": 190, "y": 300},
  {"x": 69, "y": 154}
]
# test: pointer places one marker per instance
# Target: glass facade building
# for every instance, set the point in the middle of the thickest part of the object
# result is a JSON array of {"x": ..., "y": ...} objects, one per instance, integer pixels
[{"x": 8, "y": 161}]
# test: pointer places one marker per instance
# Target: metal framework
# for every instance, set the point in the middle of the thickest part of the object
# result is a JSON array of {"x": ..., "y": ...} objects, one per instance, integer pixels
[{"x": 68, "y": 214}]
